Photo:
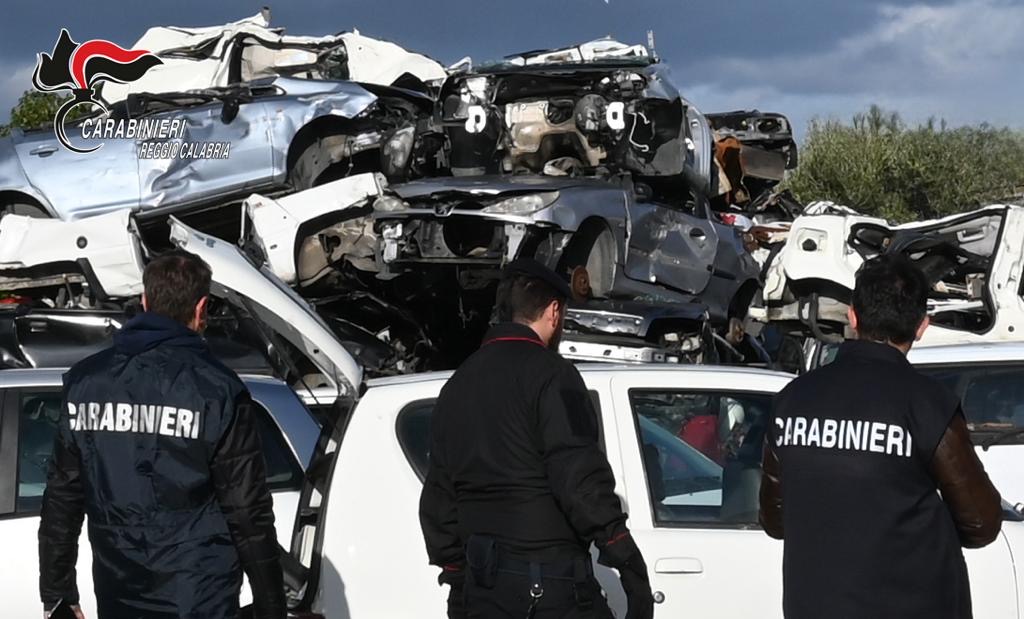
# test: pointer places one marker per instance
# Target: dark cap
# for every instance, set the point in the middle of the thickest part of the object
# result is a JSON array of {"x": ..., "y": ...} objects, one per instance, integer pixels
[{"x": 531, "y": 268}]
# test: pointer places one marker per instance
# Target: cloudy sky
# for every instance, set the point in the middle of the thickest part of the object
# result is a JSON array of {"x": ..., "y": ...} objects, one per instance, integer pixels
[{"x": 958, "y": 59}]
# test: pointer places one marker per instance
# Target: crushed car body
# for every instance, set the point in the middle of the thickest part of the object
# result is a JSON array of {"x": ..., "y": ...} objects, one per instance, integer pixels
[
  {"x": 282, "y": 132},
  {"x": 973, "y": 262},
  {"x": 648, "y": 277},
  {"x": 249, "y": 49},
  {"x": 753, "y": 151},
  {"x": 595, "y": 109},
  {"x": 66, "y": 301}
]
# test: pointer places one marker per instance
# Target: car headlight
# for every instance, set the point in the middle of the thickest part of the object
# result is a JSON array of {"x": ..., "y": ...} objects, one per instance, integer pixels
[
  {"x": 522, "y": 205},
  {"x": 389, "y": 204}
]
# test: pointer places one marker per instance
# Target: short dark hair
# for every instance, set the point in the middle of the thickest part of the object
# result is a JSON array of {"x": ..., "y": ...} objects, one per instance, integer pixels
[
  {"x": 521, "y": 298},
  {"x": 890, "y": 299},
  {"x": 174, "y": 283}
]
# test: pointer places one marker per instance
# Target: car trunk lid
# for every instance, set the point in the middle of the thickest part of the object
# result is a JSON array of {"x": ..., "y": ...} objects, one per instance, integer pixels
[{"x": 274, "y": 305}]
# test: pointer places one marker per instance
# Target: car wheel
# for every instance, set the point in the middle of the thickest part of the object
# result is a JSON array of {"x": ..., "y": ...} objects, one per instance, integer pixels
[
  {"x": 594, "y": 248},
  {"x": 316, "y": 160},
  {"x": 23, "y": 208}
]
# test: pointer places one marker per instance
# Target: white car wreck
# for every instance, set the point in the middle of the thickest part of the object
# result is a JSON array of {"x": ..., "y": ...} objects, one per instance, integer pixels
[
  {"x": 249, "y": 49},
  {"x": 974, "y": 263}
]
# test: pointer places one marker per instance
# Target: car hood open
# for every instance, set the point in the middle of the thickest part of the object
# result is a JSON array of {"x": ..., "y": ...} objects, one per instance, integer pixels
[{"x": 275, "y": 305}]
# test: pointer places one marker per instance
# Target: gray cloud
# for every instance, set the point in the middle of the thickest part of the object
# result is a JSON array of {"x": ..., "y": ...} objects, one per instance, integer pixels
[{"x": 958, "y": 61}]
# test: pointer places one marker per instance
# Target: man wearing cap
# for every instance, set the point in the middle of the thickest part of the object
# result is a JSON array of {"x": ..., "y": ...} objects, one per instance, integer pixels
[{"x": 518, "y": 487}]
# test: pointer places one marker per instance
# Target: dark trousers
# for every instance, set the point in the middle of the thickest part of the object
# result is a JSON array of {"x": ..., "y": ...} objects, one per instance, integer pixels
[
  {"x": 510, "y": 598},
  {"x": 499, "y": 585}
]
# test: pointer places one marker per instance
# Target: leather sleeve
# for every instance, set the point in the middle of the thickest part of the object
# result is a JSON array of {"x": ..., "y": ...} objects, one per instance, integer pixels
[
  {"x": 439, "y": 519},
  {"x": 60, "y": 524},
  {"x": 770, "y": 514},
  {"x": 240, "y": 481},
  {"x": 972, "y": 499}
]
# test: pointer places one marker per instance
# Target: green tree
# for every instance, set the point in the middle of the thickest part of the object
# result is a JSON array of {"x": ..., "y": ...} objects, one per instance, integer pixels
[
  {"x": 879, "y": 166},
  {"x": 35, "y": 110}
]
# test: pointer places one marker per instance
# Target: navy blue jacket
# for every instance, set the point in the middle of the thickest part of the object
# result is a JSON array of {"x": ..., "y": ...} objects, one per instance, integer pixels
[{"x": 158, "y": 446}]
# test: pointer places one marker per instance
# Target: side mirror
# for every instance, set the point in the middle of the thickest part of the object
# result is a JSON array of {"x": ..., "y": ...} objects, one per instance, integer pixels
[{"x": 229, "y": 111}]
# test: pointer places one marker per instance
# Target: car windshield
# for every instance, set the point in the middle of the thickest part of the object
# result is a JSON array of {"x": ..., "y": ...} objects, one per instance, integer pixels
[{"x": 992, "y": 396}]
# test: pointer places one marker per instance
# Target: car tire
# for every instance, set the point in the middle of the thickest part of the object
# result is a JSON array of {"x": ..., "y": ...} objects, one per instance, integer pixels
[
  {"x": 595, "y": 248},
  {"x": 23, "y": 208}
]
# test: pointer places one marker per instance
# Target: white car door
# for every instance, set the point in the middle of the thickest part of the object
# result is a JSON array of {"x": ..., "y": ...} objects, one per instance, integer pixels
[
  {"x": 27, "y": 429},
  {"x": 705, "y": 552},
  {"x": 28, "y": 418}
]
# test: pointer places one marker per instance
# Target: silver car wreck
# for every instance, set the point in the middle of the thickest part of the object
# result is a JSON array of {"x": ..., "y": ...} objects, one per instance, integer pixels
[
  {"x": 283, "y": 132},
  {"x": 649, "y": 278},
  {"x": 595, "y": 109},
  {"x": 277, "y": 102}
]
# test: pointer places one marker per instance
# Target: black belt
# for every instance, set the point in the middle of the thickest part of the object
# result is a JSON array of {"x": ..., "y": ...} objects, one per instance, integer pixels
[
  {"x": 485, "y": 560},
  {"x": 574, "y": 569}
]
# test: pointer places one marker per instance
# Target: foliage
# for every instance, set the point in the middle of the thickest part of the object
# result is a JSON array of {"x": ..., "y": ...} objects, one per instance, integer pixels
[
  {"x": 879, "y": 166},
  {"x": 35, "y": 110}
]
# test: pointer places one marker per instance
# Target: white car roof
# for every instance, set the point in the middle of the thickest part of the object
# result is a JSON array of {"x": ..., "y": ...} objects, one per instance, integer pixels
[
  {"x": 967, "y": 353},
  {"x": 45, "y": 377},
  {"x": 593, "y": 368}
]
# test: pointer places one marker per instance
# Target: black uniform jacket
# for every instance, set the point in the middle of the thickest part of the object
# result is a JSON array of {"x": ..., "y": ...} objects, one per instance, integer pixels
[
  {"x": 856, "y": 457},
  {"x": 515, "y": 456},
  {"x": 158, "y": 446}
]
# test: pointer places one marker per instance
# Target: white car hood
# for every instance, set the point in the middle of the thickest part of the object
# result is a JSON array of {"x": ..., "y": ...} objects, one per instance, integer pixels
[
  {"x": 369, "y": 60},
  {"x": 274, "y": 304}
]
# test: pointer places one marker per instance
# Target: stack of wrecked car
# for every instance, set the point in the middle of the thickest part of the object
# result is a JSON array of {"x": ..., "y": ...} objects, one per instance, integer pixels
[{"x": 392, "y": 206}]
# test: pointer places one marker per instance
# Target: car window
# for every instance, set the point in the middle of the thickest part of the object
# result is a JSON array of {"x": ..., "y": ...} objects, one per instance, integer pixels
[
  {"x": 283, "y": 471},
  {"x": 414, "y": 434},
  {"x": 37, "y": 429},
  {"x": 992, "y": 395},
  {"x": 701, "y": 453},
  {"x": 413, "y": 430}
]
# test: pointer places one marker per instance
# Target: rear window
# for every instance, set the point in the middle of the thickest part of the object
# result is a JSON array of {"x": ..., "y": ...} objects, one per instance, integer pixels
[
  {"x": 992, "y": 395},
  {"x": 413, "y": 430},
  {"x": 414, "y": 434}
]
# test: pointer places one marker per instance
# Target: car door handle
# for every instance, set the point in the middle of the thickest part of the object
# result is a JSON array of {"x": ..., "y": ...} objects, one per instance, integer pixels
[
  {"x": 43, "y": 151},
  {"x": 678, "y": 565},
  {"x": 697, "y": 233}
]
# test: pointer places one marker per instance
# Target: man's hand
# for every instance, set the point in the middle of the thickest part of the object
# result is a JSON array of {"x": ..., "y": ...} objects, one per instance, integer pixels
[
  {"x": 639, "y": 600},
  {"x": 77, "y": 610},
  {"x": 456, "y": 602}
]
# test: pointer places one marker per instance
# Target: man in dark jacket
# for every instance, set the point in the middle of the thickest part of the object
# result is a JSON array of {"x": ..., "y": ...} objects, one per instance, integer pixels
[
  {"x": 518, "y": 487},
  {"x": 159, "y": 447},
  {"x": 856, "y": 457}
]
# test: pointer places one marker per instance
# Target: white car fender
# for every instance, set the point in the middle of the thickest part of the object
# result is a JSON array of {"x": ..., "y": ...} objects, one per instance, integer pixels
[{"x": 276, "y": 223}]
